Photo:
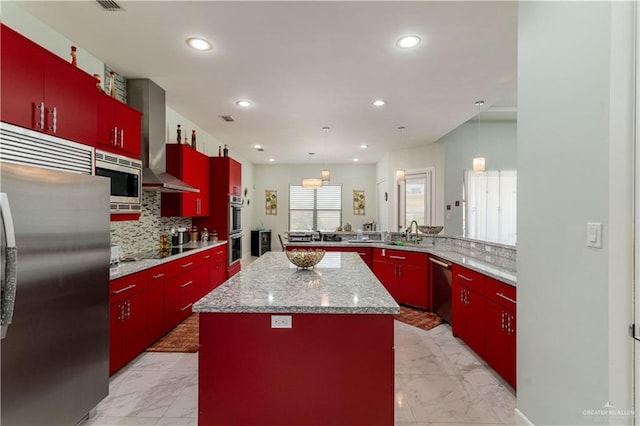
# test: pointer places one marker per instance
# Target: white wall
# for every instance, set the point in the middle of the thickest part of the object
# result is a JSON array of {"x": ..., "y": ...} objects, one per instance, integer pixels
[
  {"x": 414, "y": 158},
  {"x": 497, "y": 142},
  {"x": 279, "y": 176},
  {"x": 574, "y": 166}
]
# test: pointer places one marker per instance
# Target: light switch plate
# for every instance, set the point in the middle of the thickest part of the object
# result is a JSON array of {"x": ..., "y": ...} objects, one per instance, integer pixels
[
  {"x": 281, "y": 321},
  {"x": 594, "y": 235}
]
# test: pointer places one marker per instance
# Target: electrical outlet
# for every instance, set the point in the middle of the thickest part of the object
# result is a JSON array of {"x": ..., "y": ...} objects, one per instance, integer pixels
[{"x": 281, "y": 321}]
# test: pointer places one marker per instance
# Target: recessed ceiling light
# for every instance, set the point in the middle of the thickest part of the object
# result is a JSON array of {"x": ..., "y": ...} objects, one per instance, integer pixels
[
  {"x": 356, "y": 160},
  {"x": 244, "y": 103},
  {"x": 363, "y": 146},
  {"x": 407, "y": 42},
  {"x": 257, "y": 146},
  {"x": 272, "y": 160},
  {"x": 198, "y": 43},
  {"x": 378, "y": 102}
]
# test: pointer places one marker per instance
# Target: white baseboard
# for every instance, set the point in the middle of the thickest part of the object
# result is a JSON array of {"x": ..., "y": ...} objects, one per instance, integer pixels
[{"x": 520, "y": 419}]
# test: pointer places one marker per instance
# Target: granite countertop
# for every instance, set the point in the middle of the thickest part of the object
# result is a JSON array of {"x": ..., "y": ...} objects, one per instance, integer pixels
[
  {"x": 503, "y": 270},
  {"x": 140, "y": 264},
  {"x": 340, "y": 284}
]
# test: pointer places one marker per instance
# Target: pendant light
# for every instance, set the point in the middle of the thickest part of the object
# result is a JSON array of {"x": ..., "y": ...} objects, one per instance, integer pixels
[
  {"x": 326, "y": 174},
  {"x": 401, "y": 175},
  {"x": 312, "y": 183},
  {"x": 479, "y": 160}
]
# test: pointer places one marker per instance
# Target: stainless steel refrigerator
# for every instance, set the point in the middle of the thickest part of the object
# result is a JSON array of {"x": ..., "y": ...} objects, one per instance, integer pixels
[{"x": 55, "y": 326}]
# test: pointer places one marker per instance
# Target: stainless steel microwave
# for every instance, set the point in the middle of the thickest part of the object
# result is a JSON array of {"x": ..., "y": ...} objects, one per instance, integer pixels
[{"x": 126, "y": 181}]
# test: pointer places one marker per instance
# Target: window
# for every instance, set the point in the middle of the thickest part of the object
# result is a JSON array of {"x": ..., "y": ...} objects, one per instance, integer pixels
[
  {"x": 416, "y": 198},
  {"x": 490, "y": 200},
  {"x": 315, "y": 208}
]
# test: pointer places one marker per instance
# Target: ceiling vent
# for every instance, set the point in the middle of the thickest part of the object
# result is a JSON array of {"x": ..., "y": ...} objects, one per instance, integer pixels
[
  {"x": 228, "y": 118},
  {"x": 110, "y": 5}
]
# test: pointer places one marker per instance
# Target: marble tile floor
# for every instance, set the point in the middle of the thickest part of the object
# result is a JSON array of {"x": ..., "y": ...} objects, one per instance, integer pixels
[{"x": 439, "y": 381}]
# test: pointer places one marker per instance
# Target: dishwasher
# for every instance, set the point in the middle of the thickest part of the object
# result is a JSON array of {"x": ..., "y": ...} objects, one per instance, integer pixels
[{"x": 440, "y": 274}]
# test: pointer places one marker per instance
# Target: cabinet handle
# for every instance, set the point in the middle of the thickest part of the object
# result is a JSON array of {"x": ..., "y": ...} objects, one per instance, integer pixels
[
  {"x": 121, "y": 138},
  {"x": 38, "y": 115},
  {"x": 186, "y": 284},
  {"x": 186, "y": 265},
  {"x": 437, "y": 262},
  {"x": 186, "y": 307},
  {"x": 397, "y": 257},
  {"x": 115, "y": 136},
  {"x": 218, "y": 252},
  {"x": 122, "y": 290},
  {"x": 128, "y": 309},
  {"x": 506, "y": 298},
  {"x": 465, "y": 278},
  {"x": 53, "y": 128},
  {"x": 160, "y": 275},
  {"x": 207, "y": 257}
]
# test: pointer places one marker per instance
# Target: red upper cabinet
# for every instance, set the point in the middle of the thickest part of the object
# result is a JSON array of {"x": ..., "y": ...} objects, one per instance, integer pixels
[
  {"x": 227, "y": 175},
  {"x": 119, "y": 127},
  {"x": 235, "y": 177},
  {"x": 42, "y": 92},
  {"x": 192, "y": 167}
]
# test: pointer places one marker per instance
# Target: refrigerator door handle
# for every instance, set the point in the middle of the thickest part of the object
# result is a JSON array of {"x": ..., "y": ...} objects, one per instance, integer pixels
[{"x": 11, "y": 266}]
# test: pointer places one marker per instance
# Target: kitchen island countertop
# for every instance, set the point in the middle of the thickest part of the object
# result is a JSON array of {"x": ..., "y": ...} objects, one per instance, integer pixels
[{"x": 340, "y": 284}]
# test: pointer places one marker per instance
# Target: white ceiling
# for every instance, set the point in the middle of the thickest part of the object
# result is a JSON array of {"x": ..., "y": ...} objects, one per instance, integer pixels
[{"x": 306, "y": 65}]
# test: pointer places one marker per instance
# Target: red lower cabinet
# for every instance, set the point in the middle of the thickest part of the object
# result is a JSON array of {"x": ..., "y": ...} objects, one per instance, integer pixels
[
  {"x": 404, "y": 275},
  {"x": 386, "y": 273},
  {"x": 484, "y": 316},
  {"x": 501, "y": 329},
  {"x": 155, "y": 314},
  {"x": 180, "y": 293},
  {"x": 467, "y": 317},
  {"x": 501, "y": 341},
  {"x": 128, "y": 334}
]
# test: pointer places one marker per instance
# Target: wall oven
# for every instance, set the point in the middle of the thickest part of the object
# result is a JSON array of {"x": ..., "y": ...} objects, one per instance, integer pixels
[
  {"x": 235, "y": 248},
  {"x": 235, "y": 214},
  {"x": 126, "y": 181}
]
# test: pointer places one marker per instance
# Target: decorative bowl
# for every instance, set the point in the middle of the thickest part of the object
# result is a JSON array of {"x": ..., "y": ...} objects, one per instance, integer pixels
[
  {"x": 430, "y": 229},
  {"x": 305, "y": 259}
]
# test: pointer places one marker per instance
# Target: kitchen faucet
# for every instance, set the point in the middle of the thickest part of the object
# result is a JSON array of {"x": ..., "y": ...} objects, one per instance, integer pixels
[{"x": 409, "y": 231}]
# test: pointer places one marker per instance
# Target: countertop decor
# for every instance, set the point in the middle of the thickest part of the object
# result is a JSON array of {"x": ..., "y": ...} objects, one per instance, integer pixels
[{"x": 305, "y": 259}]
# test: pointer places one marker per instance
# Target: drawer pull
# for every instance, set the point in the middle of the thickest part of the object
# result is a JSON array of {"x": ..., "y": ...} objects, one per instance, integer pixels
[
  {"x": 506, "y": 298},
  {"x": 398, "y": 257},
  {"x": 186, "y": 265},
  {"x": 186, "y": 284},
  {"x": 122, "y": 290},
  {"x": 465, "y": 278},
  {"x": 160, "y": 275},
  {"x": 186, "y": 307},
  {"x": 207, "y": 257},
  {"x": 438, "y": 262},
  {"x": 219, "y": 252}
]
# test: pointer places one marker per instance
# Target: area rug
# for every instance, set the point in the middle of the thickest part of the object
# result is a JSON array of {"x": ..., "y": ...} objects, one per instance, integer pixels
[
  {"x": 418, "y": 318},
  {"x": 183, "y": 338}
]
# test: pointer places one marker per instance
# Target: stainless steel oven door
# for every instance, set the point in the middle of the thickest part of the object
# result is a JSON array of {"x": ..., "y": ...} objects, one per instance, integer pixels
[
  {"x": 235, "y": 213},
  {"x": 235, "y": 248}
]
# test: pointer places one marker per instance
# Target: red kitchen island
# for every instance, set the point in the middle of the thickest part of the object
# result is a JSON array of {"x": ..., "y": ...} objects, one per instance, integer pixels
[{"x": 282, "y": 346}]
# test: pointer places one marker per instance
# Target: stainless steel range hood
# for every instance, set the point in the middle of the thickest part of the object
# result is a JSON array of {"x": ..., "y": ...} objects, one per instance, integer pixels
[{"x": 149, "y": 98}]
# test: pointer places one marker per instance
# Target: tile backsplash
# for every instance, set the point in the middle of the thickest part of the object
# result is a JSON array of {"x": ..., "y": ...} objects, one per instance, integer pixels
[{"x": 144, "y": 234}]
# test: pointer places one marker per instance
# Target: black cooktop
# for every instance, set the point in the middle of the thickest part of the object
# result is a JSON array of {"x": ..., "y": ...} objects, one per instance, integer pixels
[{"x": 162, "y": 254}]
